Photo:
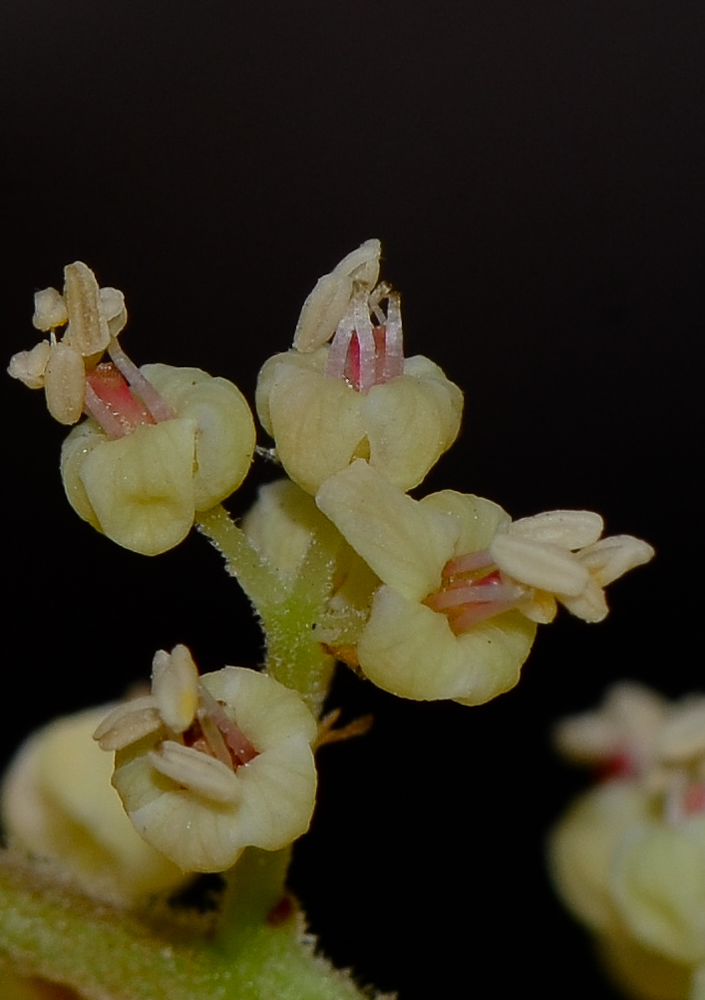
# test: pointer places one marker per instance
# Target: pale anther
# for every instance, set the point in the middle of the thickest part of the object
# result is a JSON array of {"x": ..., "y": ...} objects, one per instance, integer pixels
[
  {"x": 196, "y": 771},
  {"x": 175, "y": 687},
  {"x": 539, "y": 564},
  {"x": 128, "y": 723},
  {"x": 571, "y": 529}
]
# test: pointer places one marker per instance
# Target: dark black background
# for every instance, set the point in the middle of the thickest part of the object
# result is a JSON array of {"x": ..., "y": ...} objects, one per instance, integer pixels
[{"x": 534, "y": 169}]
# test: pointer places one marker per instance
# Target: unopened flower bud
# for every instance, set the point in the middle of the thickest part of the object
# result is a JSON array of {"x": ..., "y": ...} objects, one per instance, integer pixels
[{"x": 58, "y": 803}]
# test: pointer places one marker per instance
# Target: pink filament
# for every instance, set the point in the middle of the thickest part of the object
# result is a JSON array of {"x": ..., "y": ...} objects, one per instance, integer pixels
[
  {"x": 365, "y": 354},
  {"x": 211, "y": 716},
  {"x": 467, "y": 598},
  {"x": 158, "y": 408},
  {"x": 110, "y": 401}
]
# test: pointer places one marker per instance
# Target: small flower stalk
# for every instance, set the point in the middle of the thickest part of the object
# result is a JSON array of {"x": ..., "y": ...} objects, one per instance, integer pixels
[{"x": 207, "y": 766}]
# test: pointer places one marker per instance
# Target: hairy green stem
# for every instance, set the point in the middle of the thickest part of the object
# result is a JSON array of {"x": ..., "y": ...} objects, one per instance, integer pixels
[
  {"x": 48, "y": 929},
  {"x": 290, "y": 613}
]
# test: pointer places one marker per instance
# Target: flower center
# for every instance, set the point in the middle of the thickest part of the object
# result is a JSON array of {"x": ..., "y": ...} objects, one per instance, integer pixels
[
  {"x": 472, "y": 590},
  {"x": 120, "y": 398},
  {"x": 215, "y": 734},
  {"x": 367, "y": 348}
]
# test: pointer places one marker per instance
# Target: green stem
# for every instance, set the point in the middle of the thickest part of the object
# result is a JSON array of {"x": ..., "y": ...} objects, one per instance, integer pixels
[
  {"x": 115, "y": 955},
  {"x": 291, "y": 612}
]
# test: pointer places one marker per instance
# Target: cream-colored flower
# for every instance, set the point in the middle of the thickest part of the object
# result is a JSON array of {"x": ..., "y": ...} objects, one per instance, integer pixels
[
  {"x": 58, "y": 804},
  {"x": 621, "y": 737},
  {"x": 160, "y": 444},
  {"x": 461, "y": 582},
  {"x": 358, "y": 397},
  {"x": 207, "y": 766},
  {"x": 406, "y": 646},
  {"x": 144, "y": 489},
  {"x": 629, "y": 856}
]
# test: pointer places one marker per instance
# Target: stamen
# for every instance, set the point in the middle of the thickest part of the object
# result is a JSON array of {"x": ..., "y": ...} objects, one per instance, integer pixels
[
  {"x": 109, "y": 400},
  {"x": 363, "y": 353},
  {"x": 467, "y": 600},
  {"x": 242, "y": 751},
  {"x": 467, "y": 563},
  {"x": 393, "y": 353},
  {"x": 472, "y": 614},
  {"x": 340, "y": 345},
  {"x": 196, "y": 772},
  {"x": 473, "y": 593},
  {"x": 215, "y": 744},
  {"x": 159, "y": 409},
  {"x": 366, "y": 344}
]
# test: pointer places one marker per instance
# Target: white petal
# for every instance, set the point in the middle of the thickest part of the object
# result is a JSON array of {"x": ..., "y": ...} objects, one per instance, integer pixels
[
  {"x": 658, "y": 883},
  {"x": 225, "y": 430},
  {"x": 409, "y": 423},
  {"x": 683, "y": 733},
  {"x": 141, "y": 486}
]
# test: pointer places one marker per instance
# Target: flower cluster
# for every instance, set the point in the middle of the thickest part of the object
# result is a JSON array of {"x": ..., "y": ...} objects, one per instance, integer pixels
[
  {"x": 629, "y": 856},
  {"x": 160, "y": 444},
  {"x": 431, "y": 598}
]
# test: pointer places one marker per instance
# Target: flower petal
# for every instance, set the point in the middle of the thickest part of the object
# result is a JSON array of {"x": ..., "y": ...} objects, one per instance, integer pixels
[
  {"x": 225, "y": 430},
  {"x": 405, "y": 543},
  {"x": 409, "y": 422},
  {"x": 410, "y": 650},
  {"x": 141, "y": 486}
]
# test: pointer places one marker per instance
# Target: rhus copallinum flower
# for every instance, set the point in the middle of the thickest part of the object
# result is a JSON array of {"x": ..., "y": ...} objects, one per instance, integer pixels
[
  {"x": 357, "y": 397},
  {"x": 207, "y": 766},
  {"x": 58, "y": 804},
  {"x": 629, "y": 856},
  {"x": 463, "y": 585},
  {"x": 160, "y": 443}
]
